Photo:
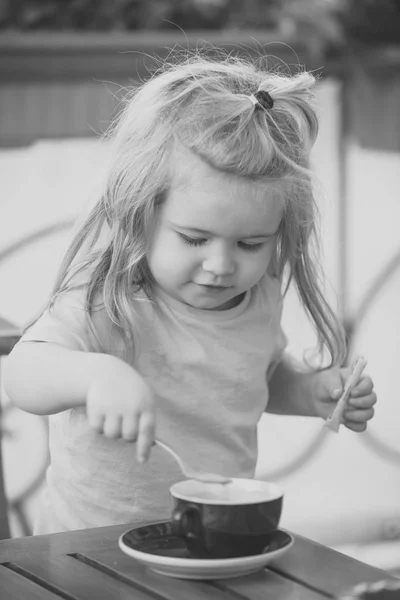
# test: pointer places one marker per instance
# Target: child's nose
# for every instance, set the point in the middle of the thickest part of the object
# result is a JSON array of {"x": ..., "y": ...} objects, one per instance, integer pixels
[{"x": 219, "y": 264}]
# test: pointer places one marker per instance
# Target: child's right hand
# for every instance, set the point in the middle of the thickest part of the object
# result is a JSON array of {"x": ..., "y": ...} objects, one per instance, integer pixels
[{"x": 120, "y": 403}]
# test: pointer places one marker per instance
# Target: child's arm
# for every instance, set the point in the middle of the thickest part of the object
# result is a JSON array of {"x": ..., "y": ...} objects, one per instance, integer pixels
[
  {"x": 291, "y": 390},
  {"x": 294, "y": 391},
  {"x": 44, "y": 378}
]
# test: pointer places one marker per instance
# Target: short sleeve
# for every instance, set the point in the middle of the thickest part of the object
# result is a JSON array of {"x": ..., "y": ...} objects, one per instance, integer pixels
[{"x": 66, "y": 323}]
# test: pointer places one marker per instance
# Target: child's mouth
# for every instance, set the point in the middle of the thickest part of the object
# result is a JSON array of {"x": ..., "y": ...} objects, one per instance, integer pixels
[{"x": 214, "y": 288}]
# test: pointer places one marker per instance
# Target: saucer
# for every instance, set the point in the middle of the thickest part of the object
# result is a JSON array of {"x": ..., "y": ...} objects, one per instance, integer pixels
[{"x": 156, "y": 547}]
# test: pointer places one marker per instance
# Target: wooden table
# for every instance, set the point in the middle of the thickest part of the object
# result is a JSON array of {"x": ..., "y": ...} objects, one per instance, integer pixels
[{"x": 88, "y": 564}]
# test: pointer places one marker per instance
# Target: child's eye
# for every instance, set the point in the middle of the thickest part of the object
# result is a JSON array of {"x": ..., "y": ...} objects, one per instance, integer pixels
[
  {"x": 192, "y": 241},
  {"x": 251, "y": 247}
]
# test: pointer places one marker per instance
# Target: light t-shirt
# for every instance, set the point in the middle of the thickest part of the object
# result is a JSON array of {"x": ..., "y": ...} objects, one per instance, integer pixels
[{"x": 208, "y": 370}]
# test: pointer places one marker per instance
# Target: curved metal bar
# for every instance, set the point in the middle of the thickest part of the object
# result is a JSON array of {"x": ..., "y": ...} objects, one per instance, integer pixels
[
  {"x": 354, "y": 324},
  {"x": 384, "y": 450},
  {"x": 371, "y": 294},
  {"x": 31, "y": 238},
  {"x": 34, "y": 484},
  {"x": 17, "y": 504},
  {"x": 301, "y": 460}
]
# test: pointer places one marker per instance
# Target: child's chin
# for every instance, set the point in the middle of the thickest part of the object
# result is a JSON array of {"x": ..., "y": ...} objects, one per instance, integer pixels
[
  {"x": 204, "y": 304},
  {"x": 214, "y": 305}
]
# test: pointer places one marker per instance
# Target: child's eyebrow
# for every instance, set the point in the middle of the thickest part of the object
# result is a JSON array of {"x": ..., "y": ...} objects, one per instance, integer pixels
[{"x": 211, "y": 233}]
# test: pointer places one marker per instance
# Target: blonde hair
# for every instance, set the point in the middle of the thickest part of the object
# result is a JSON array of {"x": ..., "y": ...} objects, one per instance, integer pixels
[{"x": 203, "y": 105}]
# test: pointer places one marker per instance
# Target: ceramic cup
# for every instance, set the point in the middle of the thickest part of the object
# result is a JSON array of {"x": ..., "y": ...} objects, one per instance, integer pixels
[{"x": 226, "y": 520}]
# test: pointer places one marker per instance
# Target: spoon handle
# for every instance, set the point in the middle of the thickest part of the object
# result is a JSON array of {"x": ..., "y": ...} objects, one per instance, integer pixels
[
  {"x": 175, "y": 456},
  {"x": 191, "y": 473}
]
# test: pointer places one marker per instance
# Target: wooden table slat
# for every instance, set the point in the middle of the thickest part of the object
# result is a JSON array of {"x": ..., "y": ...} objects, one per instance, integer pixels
[
  {"x": 251, "y": 586},
  {"x": 170, "y": 588},
  {"x": 14, "y": 586},
  {"x": 327, "y": 569},
  {"x": 80, "y": 540},
  {"x": 79, "y": 580},
  {"x": 267, "y": 584},
  {"x": 309, "y": 571}
]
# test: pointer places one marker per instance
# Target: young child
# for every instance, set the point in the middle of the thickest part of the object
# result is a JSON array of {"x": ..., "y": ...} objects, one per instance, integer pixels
[{"x": 166, "y": 317}]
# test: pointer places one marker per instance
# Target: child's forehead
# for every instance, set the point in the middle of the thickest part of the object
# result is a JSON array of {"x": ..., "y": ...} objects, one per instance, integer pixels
[
  {"x": 191, "y": 174},
  {"x": 203, "y": 198}
]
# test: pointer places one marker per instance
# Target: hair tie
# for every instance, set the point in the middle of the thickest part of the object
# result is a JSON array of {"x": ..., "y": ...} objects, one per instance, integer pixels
[{"x": 263, "y": 99}]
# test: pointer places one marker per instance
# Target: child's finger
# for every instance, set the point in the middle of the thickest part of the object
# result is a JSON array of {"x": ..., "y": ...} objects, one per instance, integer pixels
[
  {"x": 366, "y": 401},
  {"x": 359, "y": 416},
  {"x": 357, "y": 427},
  {"x": 363, "y": 387},
  {"x": 112, "y": 426},
  {"x": 145, "y": 436},
  {"x": 130, "y": 428},
  {"x": 96, "y": 421}
]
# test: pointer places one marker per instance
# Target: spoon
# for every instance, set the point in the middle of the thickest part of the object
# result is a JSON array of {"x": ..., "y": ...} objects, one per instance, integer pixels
[{"x": 192, "y": 473}]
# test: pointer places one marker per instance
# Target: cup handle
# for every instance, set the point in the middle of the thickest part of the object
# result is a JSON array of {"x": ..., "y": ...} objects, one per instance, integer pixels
[{"x": 186, "y": 523}]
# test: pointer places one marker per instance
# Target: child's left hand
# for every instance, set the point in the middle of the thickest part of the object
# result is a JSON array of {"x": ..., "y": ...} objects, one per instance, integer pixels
[{"x": 328, "y": 387}]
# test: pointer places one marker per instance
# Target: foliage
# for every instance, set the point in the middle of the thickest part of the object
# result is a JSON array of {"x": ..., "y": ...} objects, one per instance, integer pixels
[
  {"x": 374, "y": 21},
  {"x": 136, "y": 14},
  {"x": 337, "y": 22},
  {"x": 326, "y": 23}
]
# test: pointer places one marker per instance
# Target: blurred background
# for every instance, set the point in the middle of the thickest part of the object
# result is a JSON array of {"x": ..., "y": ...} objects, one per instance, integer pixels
[{"x": 64, "y": 68}]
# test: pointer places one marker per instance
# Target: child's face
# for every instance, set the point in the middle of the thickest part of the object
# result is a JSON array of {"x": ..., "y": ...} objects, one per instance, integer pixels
[{"x": 214, "y": 236}]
